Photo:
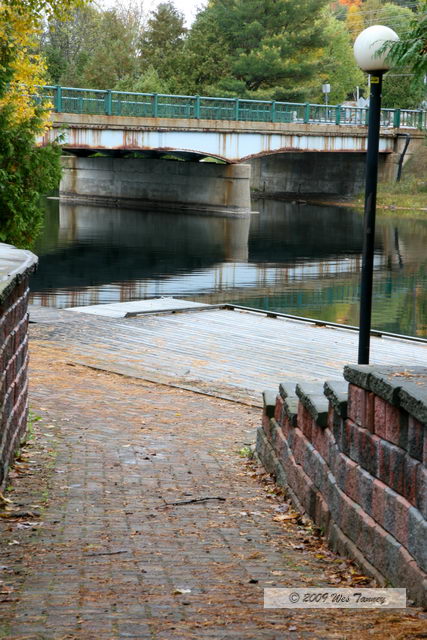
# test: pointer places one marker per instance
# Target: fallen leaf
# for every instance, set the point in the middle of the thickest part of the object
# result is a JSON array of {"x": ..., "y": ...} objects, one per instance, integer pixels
[
  {"x": 286, "y": 516},
  {"x": 360, "y": 578},
  {"x": 28, "y": 525},
  {"x": 282, "y": 508}
]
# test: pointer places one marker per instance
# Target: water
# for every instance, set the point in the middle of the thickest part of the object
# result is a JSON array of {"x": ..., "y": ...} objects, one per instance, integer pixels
[{"x": 294, "y": 258}]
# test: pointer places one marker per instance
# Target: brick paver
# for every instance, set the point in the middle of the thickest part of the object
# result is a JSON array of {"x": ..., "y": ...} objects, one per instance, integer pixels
[{"x": 114, "y": 559}]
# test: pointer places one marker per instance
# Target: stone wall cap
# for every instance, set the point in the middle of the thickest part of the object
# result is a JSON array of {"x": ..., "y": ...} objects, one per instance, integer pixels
[
  {"x": 312, "y": 397},
  {"x": 14, "y": 264},
  {"x": 269, "y": 397},
  {"x": 290, "y": 406},
  {"x": 402, "y": 386},
  {"x": 287, "y": 389},
  {"x": 337, "y": 393}
]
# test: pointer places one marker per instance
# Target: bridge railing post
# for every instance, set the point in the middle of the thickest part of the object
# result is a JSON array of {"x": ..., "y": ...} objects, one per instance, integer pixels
[
  {"x": 273, "y": 111},
  {"x": 421, "y": 113},
  {"x": 306, "y": 113},
  {"x": 58, "y": 99},
  {"x": 109, "y": 103},
  {"x": 155, "y": 105},
  {"x": 197, "y": 107},
  {"x": 338, "y": 114},
  {"x": 236, "y": 109},
  {"x": 396, "y": 118}
]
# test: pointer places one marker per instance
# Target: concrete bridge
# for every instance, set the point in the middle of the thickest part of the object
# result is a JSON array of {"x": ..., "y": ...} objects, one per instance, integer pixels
[
  {"x": 275, "y": 148},
  {"x": 230, "y": 142}
]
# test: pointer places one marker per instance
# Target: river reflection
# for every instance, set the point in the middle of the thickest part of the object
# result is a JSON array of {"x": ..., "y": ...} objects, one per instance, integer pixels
[{"x": 299, "y": 259}]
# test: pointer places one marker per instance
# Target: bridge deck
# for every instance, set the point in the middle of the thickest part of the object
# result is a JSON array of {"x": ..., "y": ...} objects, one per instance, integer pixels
[{"x": 232, "y": 354}]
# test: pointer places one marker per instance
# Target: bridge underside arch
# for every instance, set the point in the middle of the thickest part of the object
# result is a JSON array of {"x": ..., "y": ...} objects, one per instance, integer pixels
[{"x": 180, "y": 155}]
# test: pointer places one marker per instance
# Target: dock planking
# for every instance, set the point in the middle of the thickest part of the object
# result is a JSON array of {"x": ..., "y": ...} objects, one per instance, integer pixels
[
  {"x": 151, "y": 305},
  {"x": 234, "y": 354}
]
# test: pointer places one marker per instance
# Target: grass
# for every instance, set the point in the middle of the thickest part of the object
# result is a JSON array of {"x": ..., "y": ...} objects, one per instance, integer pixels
[
  {"x": 409, "y": 193},
  {"x": 31, "y": 420}
]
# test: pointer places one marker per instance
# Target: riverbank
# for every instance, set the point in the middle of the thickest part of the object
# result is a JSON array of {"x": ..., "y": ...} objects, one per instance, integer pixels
[
  {"x": 408, "y": 195},
  {"x": 407, "y": 205}
]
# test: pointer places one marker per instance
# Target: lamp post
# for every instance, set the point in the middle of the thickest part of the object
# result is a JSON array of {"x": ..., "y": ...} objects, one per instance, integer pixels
[{"x": 367, "y": 46}]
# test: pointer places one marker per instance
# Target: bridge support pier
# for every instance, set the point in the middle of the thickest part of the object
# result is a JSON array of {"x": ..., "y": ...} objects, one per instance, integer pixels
[
  {"x": 199, "y": 187},
  {"x": 331, "y": 174}
]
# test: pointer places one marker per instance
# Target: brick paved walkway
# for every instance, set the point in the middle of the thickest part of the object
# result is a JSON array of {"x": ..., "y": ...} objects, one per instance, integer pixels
[{"x": 112, "y": 560}]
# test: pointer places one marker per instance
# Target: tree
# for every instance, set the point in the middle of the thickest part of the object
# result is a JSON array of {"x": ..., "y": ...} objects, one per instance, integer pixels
[
  {"x": 338, "y": 66},
  {"x": 67, "y": 45},
  {"x": 25, "y": 170},
  {"x": 271, "y": 48},
  {"x": 147, "y": 82},
  {"x": 162, "y": 43},
  {"x": 93, "y": 48},
  {"x": 354, "y": 21},
  {"x": 113, "y": 54},
  {"x": 20, "y": 67},
  {"x": 404, "y": 85},
  {"x": 205, "y": 59},
  {"x": 411, "y": 51},
  {"x": 401, "y": 92}
]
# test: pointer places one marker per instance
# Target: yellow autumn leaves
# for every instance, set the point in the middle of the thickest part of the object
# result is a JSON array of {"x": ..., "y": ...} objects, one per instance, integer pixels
[
  {"x": 20, "y": 22},
  {"x": 18, "y": 31}
]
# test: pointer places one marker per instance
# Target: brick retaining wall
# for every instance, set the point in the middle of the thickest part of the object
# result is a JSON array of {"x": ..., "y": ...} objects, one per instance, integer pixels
[
  {"x": 353, "y": 456},
  {"x": 15, "y": 269}
]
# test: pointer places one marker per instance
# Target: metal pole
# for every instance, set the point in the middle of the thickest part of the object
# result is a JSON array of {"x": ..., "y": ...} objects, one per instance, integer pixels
[{"x": 369, "y": 220}]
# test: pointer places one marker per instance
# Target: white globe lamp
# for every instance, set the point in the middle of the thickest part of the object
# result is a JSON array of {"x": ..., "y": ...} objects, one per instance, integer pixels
[{"x": 369, "y": 43}]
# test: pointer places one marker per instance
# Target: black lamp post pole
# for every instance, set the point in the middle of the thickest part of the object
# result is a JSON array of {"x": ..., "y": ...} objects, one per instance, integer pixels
[{"x": 369, "y": 219}]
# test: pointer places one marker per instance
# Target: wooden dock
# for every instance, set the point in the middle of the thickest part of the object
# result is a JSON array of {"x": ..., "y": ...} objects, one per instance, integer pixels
[{"x": 234, "y": 354}]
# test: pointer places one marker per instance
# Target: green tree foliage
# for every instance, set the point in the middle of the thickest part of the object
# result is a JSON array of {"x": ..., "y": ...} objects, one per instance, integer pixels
[
  {"x": 411, "y": 51},
  {"x": 403, "y": 86},
  {"x": 401, "y": 92},
  {"x": 94, "y": 48},
  {"x": 113, "y": 53},
  {"x": 68, "y": 44},
  {"x": 147, "y": 82},
  {"x": 26, "y": 172},
  {"x": 161, "y": 44},
  {"x": 205, "y": 60},
  {"x": 270, "y": 48},
  {"x": 338, "y": 66}
]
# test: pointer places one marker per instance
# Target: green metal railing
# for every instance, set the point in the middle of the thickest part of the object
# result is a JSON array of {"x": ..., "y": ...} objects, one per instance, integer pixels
[{"x": 157, "y": 105}]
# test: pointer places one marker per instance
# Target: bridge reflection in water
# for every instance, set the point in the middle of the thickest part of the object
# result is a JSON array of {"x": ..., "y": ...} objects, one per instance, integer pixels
[{"x": 299, "y": 259}]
